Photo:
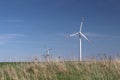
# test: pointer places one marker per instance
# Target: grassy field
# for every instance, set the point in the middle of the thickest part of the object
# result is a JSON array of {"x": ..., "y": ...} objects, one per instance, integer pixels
[{"x": 63, "y": 70}]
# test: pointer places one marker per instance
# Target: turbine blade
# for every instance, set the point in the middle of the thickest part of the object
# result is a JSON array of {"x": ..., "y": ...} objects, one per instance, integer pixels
[
  {"x": 81, "y": 24},
  {"x": 73, "y": 34},
  {"x": 84, "y": 36}
]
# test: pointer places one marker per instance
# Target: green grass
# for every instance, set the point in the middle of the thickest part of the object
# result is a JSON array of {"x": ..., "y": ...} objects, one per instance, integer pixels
[{"x": 64, "y": 70}]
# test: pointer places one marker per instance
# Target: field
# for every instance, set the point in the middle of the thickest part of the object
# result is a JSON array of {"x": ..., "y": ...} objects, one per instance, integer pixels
[{"x": 61, "y": 70}]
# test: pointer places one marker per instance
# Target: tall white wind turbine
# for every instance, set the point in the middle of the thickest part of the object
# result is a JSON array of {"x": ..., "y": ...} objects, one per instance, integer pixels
[{"x": 80, "y": 35}]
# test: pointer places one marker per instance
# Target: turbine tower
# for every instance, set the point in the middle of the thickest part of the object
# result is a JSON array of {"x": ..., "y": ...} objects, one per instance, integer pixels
[
  {"x": 80, "y": 35},
  {"x": 48, "y": 53}
]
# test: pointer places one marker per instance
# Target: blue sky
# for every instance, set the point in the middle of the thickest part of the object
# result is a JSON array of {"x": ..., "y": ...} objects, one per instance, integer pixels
[{"x": 28, "y": 27}]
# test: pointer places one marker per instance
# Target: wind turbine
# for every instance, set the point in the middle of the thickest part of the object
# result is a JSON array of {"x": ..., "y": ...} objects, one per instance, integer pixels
[
  {"x": 80, "y": 35},
  {"x": 48, "y": 53}
]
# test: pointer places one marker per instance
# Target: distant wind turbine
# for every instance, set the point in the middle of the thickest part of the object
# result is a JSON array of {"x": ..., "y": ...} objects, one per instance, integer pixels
[
  {"x": 80, "y": 34},
  {"x": 48, "y": 53}
]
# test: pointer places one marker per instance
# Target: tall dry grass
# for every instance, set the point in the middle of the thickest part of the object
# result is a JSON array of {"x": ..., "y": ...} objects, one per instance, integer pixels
[{"x": 61, "y": 70}]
